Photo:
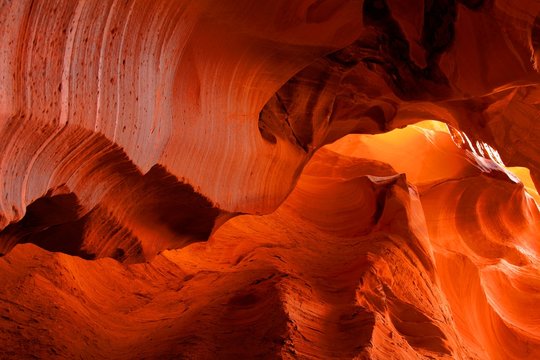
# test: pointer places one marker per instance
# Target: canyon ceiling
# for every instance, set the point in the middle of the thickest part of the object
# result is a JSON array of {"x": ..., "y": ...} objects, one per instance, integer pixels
[{"x": 262, "y": 179}]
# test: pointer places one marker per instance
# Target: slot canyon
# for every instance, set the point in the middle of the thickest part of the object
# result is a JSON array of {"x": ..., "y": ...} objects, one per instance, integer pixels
[{"x": 270, "y": 179}]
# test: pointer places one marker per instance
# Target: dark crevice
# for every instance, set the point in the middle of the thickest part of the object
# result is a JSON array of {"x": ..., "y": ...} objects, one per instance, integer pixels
[
  {"x": 406, "y": 78},
  {"x": 176, "y": 205},
  {"x": 265, "y": 131},
  {"x": 474, "y": 4},
  {"x": 438, "y": 32},
  {"x": 284, "y": 108},
  {"x": 168, "y": 213},
  {"x": 51, "y": 222},
  {"x": 382, "y": 49}
]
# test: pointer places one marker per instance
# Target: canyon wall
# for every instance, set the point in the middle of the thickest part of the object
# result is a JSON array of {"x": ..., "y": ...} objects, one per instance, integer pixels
[{"x": 311, "y": 179}]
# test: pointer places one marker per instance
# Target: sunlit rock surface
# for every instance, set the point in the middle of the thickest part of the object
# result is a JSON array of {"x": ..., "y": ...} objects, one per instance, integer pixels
[{"x": 318, "y": 179}]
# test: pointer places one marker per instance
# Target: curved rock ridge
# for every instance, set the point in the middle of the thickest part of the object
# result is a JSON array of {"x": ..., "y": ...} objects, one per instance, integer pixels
[
  {"x": 340, "y": 287},
  {"x": 103, "y": 205},
  {"x": 266, "y": 179},
  {"x": 483, "y": 226},
  {"x": 155, "y": 77},
  {"x": 358, "y": 262}
]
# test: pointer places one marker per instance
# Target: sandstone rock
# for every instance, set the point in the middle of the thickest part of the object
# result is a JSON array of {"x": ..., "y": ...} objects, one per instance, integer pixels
[{"x": 265, "y": 179}]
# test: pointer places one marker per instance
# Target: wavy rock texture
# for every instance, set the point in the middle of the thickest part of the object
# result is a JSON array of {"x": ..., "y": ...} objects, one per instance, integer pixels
[{"x": 243, "y": 180}]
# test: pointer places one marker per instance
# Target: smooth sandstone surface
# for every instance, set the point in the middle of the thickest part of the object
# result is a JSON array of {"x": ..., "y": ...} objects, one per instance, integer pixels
[{"x": 308, "y": 179}]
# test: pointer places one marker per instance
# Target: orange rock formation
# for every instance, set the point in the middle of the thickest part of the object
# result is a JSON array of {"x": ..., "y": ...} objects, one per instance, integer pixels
[{"x": 307, "y": 179}]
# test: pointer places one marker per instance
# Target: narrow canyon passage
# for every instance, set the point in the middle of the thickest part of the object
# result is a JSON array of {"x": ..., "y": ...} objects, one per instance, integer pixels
[{"x": 308, "y": 179}]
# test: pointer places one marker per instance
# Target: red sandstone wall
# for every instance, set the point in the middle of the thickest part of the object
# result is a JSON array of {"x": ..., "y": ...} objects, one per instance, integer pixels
[{"x": 233, "y": 179}]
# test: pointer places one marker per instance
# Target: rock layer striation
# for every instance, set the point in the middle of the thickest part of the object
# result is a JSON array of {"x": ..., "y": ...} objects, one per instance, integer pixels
[{"x": 266, "y": 179}]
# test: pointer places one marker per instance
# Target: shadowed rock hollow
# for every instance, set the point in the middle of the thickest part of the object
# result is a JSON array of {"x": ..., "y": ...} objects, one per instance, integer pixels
[{"x": 318, "y": 179}]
